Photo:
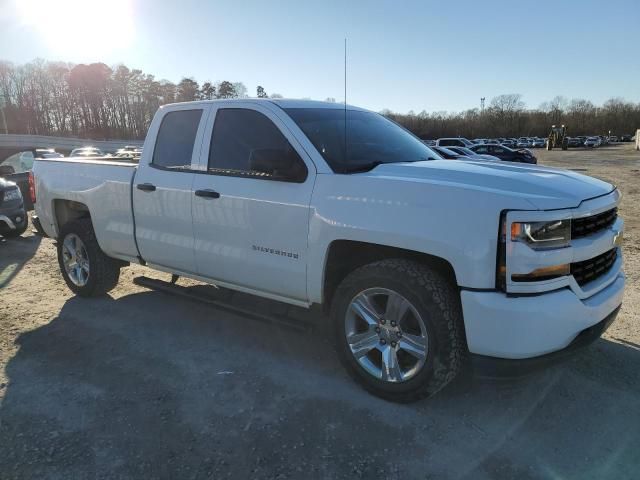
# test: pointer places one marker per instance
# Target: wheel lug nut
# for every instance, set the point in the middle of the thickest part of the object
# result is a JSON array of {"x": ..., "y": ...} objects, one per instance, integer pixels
[
  {"x": 383, "y": 321},
  {"x": 393, "y": 323},
  {"x": 399, "y": 334},
  {"x": 393, "y": 344},
  {"x": 377, "y": 329},
  {"x": 383, "y": 341}
]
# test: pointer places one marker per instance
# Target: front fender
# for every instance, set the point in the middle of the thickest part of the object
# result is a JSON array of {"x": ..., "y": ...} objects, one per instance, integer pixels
[{"x": 455, "y": 224}]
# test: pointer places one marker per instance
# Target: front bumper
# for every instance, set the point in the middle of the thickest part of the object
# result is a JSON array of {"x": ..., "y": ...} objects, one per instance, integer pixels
[
  {"x": 12, "y": 218},
  {"x": 504, "y": 368},
  {"x": 516, "y": 327}
]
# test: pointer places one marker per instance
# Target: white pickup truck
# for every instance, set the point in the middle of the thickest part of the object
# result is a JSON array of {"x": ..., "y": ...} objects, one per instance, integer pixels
[{"x": 420, "y": 261}]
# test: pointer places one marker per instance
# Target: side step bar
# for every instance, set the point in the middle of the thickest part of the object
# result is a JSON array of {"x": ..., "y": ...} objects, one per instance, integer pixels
[{"x": 292, "y": 317}]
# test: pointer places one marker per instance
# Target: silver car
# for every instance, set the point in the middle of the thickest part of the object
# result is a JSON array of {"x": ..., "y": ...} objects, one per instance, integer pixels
[{"x": 592, "y": 142}]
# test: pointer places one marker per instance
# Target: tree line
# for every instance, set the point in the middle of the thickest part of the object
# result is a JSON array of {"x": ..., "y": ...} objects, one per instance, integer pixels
[
  {"x": 93, "y": 101},
  {"x": 101, "y": 102},
  {"x": 507, "y": 116}
]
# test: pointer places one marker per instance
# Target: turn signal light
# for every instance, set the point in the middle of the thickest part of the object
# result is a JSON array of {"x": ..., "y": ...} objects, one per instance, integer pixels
[{"x": 543, "y": 273}]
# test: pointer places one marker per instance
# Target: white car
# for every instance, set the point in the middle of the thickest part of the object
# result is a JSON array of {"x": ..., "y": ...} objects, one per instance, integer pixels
[
  {"x": 538, "y": 143},
  {"x": 417, "y": 262},
  {"x": 86, "y": 152},
  {"x": 593, "y": 142}
]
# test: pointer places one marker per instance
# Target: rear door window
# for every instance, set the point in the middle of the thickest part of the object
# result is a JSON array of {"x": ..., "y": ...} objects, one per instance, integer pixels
[{"x": 176, "y": 138}]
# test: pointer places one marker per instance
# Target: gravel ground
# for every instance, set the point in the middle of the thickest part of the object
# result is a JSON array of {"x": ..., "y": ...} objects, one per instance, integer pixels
[{"x": 146, "y": 385}]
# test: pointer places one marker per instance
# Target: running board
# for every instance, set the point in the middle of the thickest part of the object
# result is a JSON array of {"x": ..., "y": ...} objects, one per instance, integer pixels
[{"x": 299, "y": 322}]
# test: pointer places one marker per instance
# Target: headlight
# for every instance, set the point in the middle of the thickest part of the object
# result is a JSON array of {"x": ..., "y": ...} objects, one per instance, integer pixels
[
  {"x": 13, "y": 194},
  {"x": 541, "y": 235}
]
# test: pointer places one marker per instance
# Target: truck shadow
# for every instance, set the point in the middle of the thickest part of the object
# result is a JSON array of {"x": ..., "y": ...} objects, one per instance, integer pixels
[
  {"x": 21, "y": 248},
  {"x": 154, "y": 386}
]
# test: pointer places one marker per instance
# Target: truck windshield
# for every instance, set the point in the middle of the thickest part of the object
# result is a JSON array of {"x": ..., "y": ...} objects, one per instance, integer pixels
[{"x": 371, "y": 139}]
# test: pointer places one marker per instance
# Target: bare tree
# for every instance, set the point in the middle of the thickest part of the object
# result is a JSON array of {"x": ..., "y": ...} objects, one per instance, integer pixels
[{"x": 98, "y": 101}]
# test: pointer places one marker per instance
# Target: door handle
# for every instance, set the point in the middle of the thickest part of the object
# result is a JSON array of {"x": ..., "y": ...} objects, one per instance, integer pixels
[
  {"x": 207, "y": 194},
  {"x": 146, "y": 187}
]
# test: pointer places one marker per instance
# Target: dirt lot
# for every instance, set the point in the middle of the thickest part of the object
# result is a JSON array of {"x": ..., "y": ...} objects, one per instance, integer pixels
[{"x": 143, "y": 384}]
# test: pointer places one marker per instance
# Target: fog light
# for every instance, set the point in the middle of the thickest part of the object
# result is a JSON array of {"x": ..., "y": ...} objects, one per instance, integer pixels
[
  {"x": 18, "y": 219},
  {"x": 543, "y": 273}
]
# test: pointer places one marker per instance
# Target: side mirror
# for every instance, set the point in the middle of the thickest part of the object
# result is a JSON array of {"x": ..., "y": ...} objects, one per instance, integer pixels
[
  {"x": 6, "y": 170},
  {"x": 279, "y": 164}
]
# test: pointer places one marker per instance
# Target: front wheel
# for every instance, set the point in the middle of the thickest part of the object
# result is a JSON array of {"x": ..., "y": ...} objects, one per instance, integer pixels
[
  {"x": 87, "y": 271},
  {"x": 398, "y": 329}
]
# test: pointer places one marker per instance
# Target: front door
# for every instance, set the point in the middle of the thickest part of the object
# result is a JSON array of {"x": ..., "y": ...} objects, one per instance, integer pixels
[{"x": 251, "y": 203}]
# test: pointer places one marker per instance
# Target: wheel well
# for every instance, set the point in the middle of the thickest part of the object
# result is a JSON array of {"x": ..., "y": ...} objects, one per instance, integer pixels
[
  {"x": 345, "y": 256},
  {"x": 67, "y": 211}
]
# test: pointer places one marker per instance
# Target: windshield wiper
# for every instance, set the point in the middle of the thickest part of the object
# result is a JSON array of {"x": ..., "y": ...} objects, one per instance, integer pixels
[{"x": 365, "y": 167}]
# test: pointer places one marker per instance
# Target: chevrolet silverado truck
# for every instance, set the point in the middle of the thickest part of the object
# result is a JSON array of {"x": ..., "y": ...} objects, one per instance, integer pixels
[{"x": 420, "y": 263}]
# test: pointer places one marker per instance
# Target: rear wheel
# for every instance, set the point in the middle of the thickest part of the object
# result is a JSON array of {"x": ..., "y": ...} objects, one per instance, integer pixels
[
  {"x": 85, "y": 268},
  {"x": 398, "y": 329}
]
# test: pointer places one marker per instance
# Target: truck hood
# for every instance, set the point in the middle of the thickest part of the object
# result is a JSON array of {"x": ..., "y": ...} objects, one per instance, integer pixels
[
  {"x": 4, "y": 184},
  {"x": 546, "y": 188}
]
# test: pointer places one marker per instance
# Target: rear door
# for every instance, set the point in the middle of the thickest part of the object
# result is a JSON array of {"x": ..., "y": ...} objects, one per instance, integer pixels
[
  {"x": 163, "y": 189},
  {"x": 250, "y": 213}
]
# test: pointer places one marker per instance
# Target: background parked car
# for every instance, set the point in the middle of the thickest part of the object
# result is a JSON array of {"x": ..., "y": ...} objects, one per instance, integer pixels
[
  {"x": 447, "y": 154},
  {"x": 505, "y": 153},
  {"x": 538, "y": 142},
  {"x": 593, "y": 142},
  {"x": 13, "y": 216},
  {"x": 16, "y": 168},
  {"x": 573, "y": 142},
  {"x": 86, "y": 152},
  {"x": 625, "y": 138},
  {"x": 454, "y": 142},
  {"x": 467, "y": 152},
  {"x": 429, "y": 143}
]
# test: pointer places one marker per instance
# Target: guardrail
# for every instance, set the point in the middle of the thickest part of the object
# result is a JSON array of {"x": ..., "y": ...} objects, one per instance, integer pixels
[{"x": 12, "y": 142}]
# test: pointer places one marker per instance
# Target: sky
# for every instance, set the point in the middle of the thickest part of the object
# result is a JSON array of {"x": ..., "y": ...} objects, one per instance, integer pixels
[{"x": 401, "y": 55}]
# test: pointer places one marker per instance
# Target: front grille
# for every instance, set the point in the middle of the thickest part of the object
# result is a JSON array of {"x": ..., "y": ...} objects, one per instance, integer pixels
[
  {"x": 581, "y": 227},
  {"x": 589, "y": 270}
]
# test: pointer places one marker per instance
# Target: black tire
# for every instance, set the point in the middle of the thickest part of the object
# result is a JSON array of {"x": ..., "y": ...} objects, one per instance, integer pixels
[
  {"x": 18, "y": 231},
  {"x": 436, "y": 299},
  {"x": 104, "y": 271}
]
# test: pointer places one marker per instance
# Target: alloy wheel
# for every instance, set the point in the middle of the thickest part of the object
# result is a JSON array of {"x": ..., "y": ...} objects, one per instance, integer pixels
[{"x": 386, "y": 335}]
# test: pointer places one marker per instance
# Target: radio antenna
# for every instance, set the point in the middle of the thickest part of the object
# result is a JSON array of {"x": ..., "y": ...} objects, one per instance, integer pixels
[{"x": 345, "y": 100}]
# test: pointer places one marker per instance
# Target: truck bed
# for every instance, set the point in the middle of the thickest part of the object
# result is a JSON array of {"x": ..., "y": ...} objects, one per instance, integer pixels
[{"x": 103, "y": 185}]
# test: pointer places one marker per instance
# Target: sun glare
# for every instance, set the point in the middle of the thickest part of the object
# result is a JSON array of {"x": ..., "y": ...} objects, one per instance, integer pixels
[{"x": 80, "y": 27}]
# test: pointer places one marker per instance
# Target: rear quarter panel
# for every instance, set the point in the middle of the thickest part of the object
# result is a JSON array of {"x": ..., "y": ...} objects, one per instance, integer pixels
[{"x": 104, "y": 187}]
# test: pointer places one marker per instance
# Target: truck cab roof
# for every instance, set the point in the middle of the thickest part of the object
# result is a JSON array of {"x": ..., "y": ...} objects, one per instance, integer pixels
[{"x": 283, "y": 103}]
